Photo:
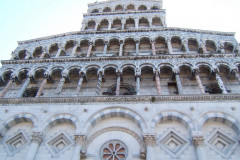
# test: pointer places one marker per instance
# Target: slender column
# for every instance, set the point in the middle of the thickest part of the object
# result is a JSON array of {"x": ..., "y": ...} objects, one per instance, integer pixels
[
  {"x": 137, "y": 47},
  {"x": 169, "y": 44},
  {"x": 83, "y": 25},
  {"x": 158, "y": 83},
  {"x": 118, "y": 83},
  {"x": 121, "y": 49},
  {"x": 12, "y": 77},
  {"x": 105, "y": 48},
  {"x": 24, "y": 87},
  {"x": 222, "y": 48},
  {"x": 203, "y": 46},
  {"x": 37, "y": 138},
  {"x": 150, "y": 143},
  {"x": 60, "y": 85},
  {"x": 136, "y": 23},
  {"x": 185, "y": 44},
  {"x": 138, "y": 81},
  {"x": 220, "y": 83},
  {"x": 109, "y": 25},
  {"x": 44, "y": 52},
  {"x": 179, "y": 84},
  {"x": 153, "y": 49},
  {"x": 150, "y": 23},
  {"x": 46, "y": 76},
  {"x": 80, "y": 147},
  {"x": 123, "y": 23},
  {"x": 200, "y": 86},
  {"x": 79, "y": 84},
  {"x": 74, "y": 50},
  {"x": 99, "y": 84},
  {"x": 235, "y": 73},
  {"x": 96, "y": 27},
  {"x": 59, "y": 51},
  {"x": 198, "y": 142},
  {"x": 89, "y": 49}
]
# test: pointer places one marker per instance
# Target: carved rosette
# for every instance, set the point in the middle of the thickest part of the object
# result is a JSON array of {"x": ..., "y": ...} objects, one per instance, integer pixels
[
  {"x": 37, "y": 137},
  {"x": 149, "y": 140},
  {"x": 198, "y": 140},
  {"x": 81, "y": 140}
]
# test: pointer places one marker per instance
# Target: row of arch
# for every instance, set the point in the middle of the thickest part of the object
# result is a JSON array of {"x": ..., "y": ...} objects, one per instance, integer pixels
[
  {"x": 125, "y": 113},
  {"x": 121, "y": 24},
  {"x": 130, "y": 47},
  {"x": 122, "y": 8}
]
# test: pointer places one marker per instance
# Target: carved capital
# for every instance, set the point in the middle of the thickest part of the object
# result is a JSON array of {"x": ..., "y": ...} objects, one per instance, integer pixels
[
  {"x": 198, "y": 140},
  {"x": 149, "y": 139},
  {"x": 37, "y": 137},
  {"x": 81, "y": 140}
]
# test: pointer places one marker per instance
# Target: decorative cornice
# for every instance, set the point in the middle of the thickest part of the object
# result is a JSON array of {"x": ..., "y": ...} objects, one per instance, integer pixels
[
  {"x": 75, "y": 59},
  {"x": 121, "y": 99},
  {"x": 128, "y": 31}
]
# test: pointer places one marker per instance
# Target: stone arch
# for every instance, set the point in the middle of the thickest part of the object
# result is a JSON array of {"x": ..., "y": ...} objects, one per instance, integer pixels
[
  {"x": 155, "y": 8},
  {"x": 147, "y": 65},
  {"x": 37, "y": 52},
  {"x": 163, "y": 65},
  {"x": 103, "y": 25},
  {"x": 130, "y": 7},
  {"x": 189, "y": 65},
  {"x": 204, "y": 64},
  {"x": 119, "y": 8},
  {"x": 193, "y": 45},
  {"x": 91, "y": 67},
  {"x": 91, "y": 24},
  {"x": 107, "y": 9},
  {"x": 143, "y": 22},
  {"x": 128, "y": 66},
  {"x": 211, "y": 46},
  {"x": 114, "y": 112},
  {"x": 95, "y": 11},
  {"x": 122, "y": 129},
  {"x": 142, "y": 8},
  {"x": 62, "y": 118},
  {"x": 175, "y": 116},
  {"x": 19, "y": 118},
  {"x": 22, "y": 54},
  {"x": 55, "y": 68},
  {"x": 53, "y": 49},
  {"x": 156, "y": 21},
  {"x": 219, "y": 117},
  {"x": 130, "y": 23},
  {"x": 117, "y": 24},
  {"x": 228, "y": 47}
]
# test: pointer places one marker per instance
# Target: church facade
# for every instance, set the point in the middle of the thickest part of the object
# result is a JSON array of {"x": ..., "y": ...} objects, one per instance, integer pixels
[{"x": 125, "y": 87}]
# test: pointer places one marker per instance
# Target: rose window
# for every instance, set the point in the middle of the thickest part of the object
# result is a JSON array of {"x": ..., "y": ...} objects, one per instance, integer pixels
[{"x": 114, "y": 150}]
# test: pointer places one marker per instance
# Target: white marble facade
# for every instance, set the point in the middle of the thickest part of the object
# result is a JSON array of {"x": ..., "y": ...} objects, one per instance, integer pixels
[{"x": 125, "y": 87}]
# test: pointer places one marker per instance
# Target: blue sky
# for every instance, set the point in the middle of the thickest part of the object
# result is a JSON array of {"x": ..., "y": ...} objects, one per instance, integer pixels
[{"x": 29, "y": 19}]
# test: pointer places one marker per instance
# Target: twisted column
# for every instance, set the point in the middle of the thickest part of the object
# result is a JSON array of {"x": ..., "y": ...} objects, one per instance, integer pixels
[
  {"x": 153, "y": 49},
  {"x": 169, "y": 44},
  {"x": 80, "y": 147},
  {"x": 200, "y": 86},
  {"x": 9, "y": 84},
  {"x": 60, "y": 85},
  {"x": 37, "y": 138},
  {"x": 118, "y": 83},
  {"x": 179, "y": 84},
  {"x": 198, "y": 142},
  {"x": 99, "y": 84},
  {"x": 158, "y": 82},
  {"x": 89, "y": 49},
  {"x": 150, "y": 141},
  {"x": 220, "y": 83},
  {"x": 121, "y": 49}
]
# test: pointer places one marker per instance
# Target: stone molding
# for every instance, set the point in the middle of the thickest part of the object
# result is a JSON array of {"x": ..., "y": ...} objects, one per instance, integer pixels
[
  {"x": 37, "y": 137},
  {"x": 81, "y": 140},
  {"x": 122, "y": 99},
  {"x": 149, "y": 139},
  {"x": 198, "y": 140}
]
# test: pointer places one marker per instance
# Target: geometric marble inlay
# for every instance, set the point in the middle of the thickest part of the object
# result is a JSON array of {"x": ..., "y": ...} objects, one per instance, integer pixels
[
  {"x": 222, "y": 144},
  {"x": 172, "y": 143},
  {"x": 15, "y": 143},
  {"x": 58, "y": 144}
]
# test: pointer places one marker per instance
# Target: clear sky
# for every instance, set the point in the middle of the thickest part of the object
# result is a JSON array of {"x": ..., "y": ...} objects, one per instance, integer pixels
[{"x": 28, "y": 19}]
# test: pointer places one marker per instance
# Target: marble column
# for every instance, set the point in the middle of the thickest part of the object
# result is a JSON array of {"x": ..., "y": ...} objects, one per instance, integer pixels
[
  {"x": 121, "y": 49},
  {"x": 198, "y": 142},
  {"x": 59, "y": 51},
  {"x": 200, "y": 86},
  {"x": 89, "y": 49},
  {"x": 60, "y": 85},
  {"x": 222, "y": 48},
  {"x": 96, "y": 26},
  {"x": 6, "y": 88},
  {"x": 235, "y": 73},
  {"x": 109, "y": 25},
  {"x": 123, "y": 24},
  {"x": 42, "y": 86},
  {"x": 203, "y": 46},
  {"x": 136, "y": 23},
  {"x": 185, "y": 44},
  {"x": 99, "y": 84},
  {"x": 44, "y": 52},
  {"x": 179, "y": 84},
  {"x": 137, "y": 47},
  {"x": 74, "y": 50},
  {"x": 118, "y": 83},
  {"x": 24, "y": 87},
  {"x": 169, "y": 44},
  {"x": 158, "y": 82},
  {"x": 80, "y": 147},
  {"x": 220, "y": 83},
  {"x": 150, "y": 143},
  {"x": 138, "y": 84},
  {"x": 105, "y": 48},
  {"x": 79, "y": 84},
  {"x": 37, "y": 138},
  {"x": 153, "y": 49}
]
